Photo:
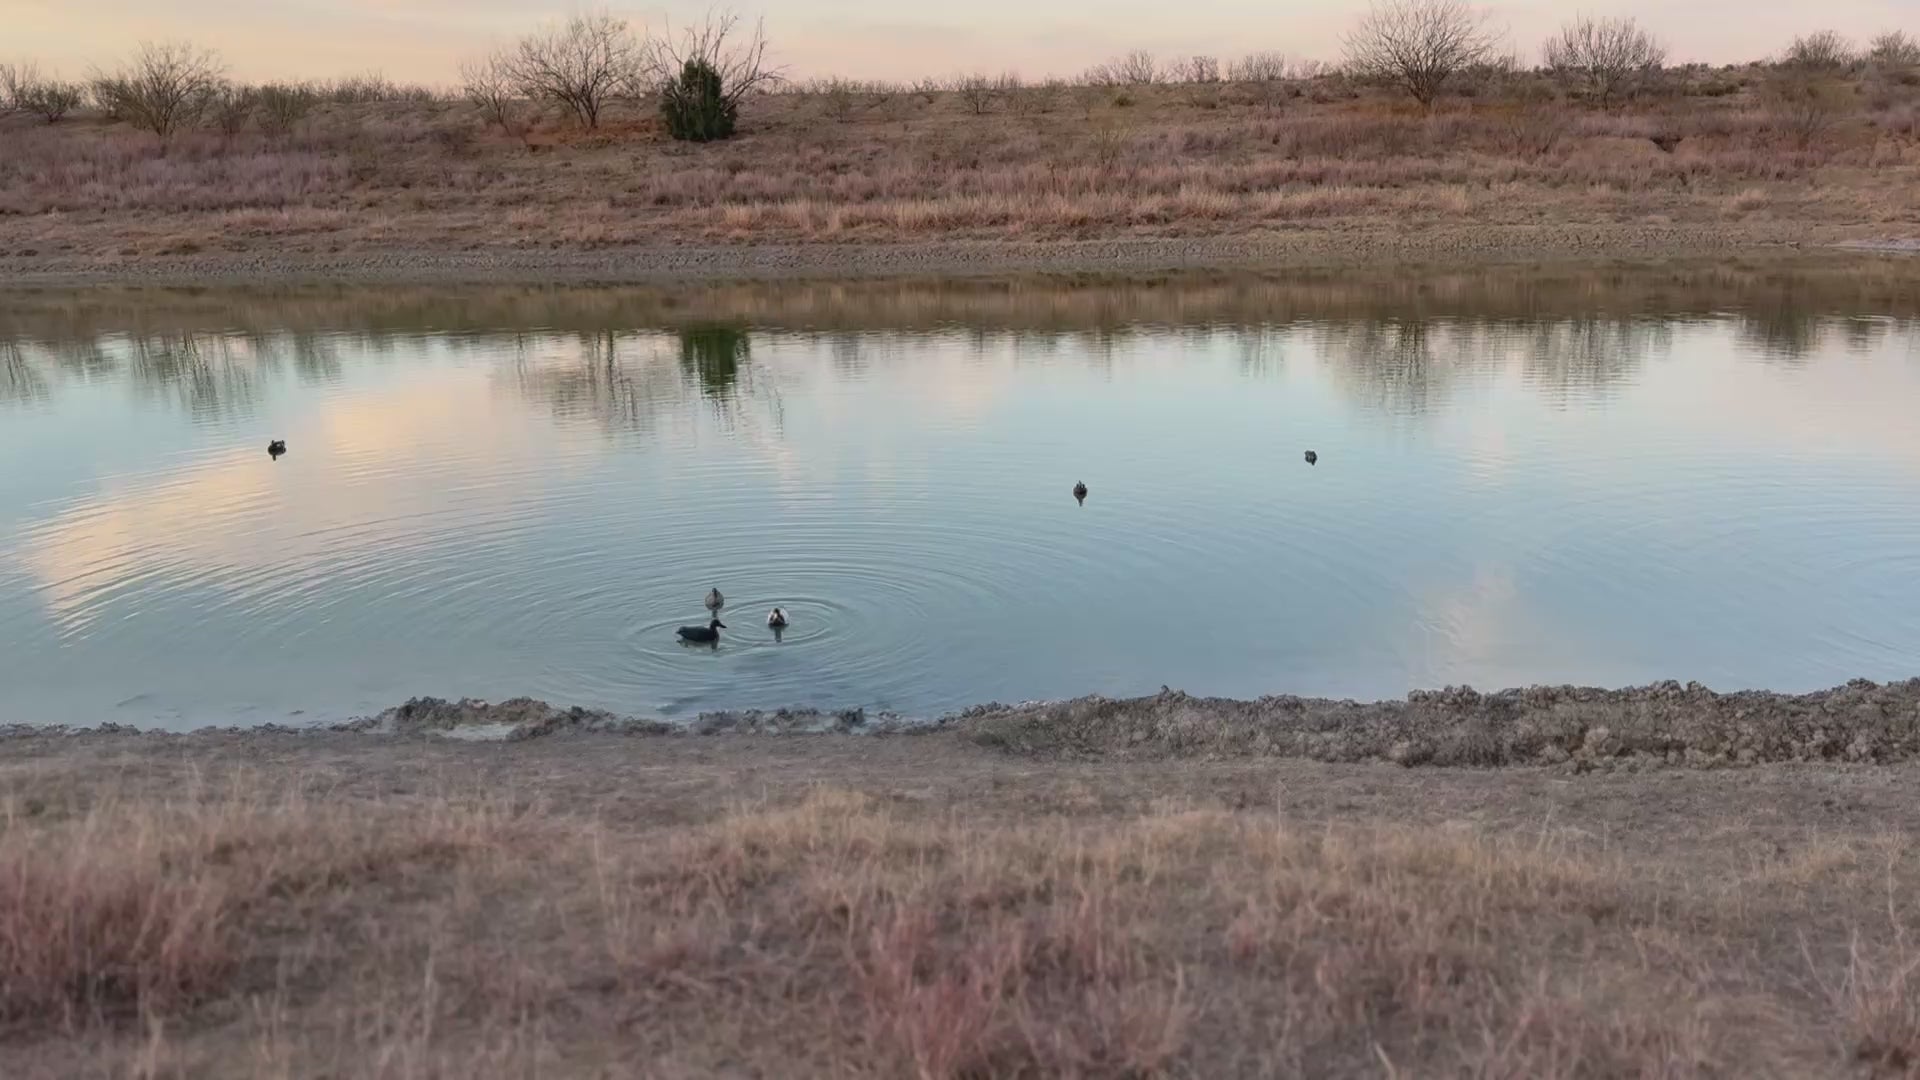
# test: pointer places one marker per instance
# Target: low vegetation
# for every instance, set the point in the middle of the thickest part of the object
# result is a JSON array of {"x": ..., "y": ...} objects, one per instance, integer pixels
[
  {"x": 350, "y": 905},
  {"x": 582, "y": 136}
]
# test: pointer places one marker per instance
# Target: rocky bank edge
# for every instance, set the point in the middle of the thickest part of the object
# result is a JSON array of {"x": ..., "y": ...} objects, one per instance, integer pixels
[
  {"x": 1665, "y": 724},
  {"x": 1298, "y": 248},
  {"x": 1662, "y": 724}
]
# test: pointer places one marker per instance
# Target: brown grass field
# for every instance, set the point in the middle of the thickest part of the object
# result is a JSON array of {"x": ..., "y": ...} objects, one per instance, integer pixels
[
  {"x": 277, "y": 905},
  {"x": 848, "y": 166}
]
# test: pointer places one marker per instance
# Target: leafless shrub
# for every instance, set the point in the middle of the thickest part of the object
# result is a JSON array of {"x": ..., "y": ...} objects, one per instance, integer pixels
[
  {"x": 16, "y": 80},
  {"x": 1260, "y": 67},
  {"x": 1196, "y": 69},
  {"x": 1894, "y": 50},
  {"x": 1137, "y": 68},
  {"x": 841, "y": 97},
  {"x": 232, "y": 106},
  {"x": 1041, "y": 97},
  {"x": 979, "y": 93},
  {"x": 167, "y": 86},
  {"x": 1606, "y": 57},
  {"x": 1535, "y": 132},
  {"x": 1418, "y": 45},
  {"x": 109, "y": 94},
  {"x": 836, "y": 96},
  {"x": 283, "y": 106},
  {"x": 1804, "y": 104},
  {"x": 368, "y": 88},
  {"x": 1825, "y": 50},
  {"x": 49, "y": 99},
  {"x": 490, "y": 86},
  {"x": 579, "y": 64}
]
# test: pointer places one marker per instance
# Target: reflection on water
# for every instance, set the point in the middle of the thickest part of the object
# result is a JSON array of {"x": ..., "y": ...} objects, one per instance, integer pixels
[{"x": 1540, "y": 474}]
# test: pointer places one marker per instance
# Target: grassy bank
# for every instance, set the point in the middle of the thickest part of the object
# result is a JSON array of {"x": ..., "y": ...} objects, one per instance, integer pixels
[
  {"x": 848, "y": 165},
  {"x": 276, "y": 905}
]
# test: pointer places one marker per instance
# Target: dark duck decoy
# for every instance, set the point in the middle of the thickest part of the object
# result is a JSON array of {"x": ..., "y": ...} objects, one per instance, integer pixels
[
  {"x": 1313, "y": 458},
  {"x": 1080, "y": 493},
  {"x": 715, "y": 601},
  {"x": 777, "y": 619},
  {"x": 703, "y": 635},
  {"x": 276, "y": 447}
]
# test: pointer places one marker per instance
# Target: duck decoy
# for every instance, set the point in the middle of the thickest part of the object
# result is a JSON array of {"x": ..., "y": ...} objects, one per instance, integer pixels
[
  {"x": 704, "y": 635},
  {"x": 1313, "y": 458},
  {"x": 777, "y": 619},
  {"x": 276, "y": 447},
  {"x": 1080, "y": 493},
  {"x": 714, "y": 600}
]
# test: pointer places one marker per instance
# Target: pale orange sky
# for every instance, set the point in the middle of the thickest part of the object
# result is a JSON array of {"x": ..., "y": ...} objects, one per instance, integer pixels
[{"x": 424, "y": 40}]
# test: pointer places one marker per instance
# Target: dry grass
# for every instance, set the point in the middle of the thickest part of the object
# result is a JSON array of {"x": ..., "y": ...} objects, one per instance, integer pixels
[
  {"x": 1170, "y": 161},
  {"x": 286, "y": 923}
]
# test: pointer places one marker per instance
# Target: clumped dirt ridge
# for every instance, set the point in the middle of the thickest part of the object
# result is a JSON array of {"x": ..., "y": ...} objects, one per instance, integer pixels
[{"x": 1662, "y": 724}]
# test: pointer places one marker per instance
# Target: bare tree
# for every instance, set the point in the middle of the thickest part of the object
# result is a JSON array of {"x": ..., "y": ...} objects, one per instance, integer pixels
[
  {"x": 1418, "y": 45},
  {"x": 1894, "y": 49},
  {"x": 979, "y": 93},
  {"x": 1609, "y": 56},
  {"x": 1825, "y": 50},
  {"x": 579, "y": 64},
  {"x": 1259, "y": 67},
  {"x": 231, "y": 108},
  {"x": 167, "y": 86},
  {"x": 705, "y": 73},
  {"x": 109, "y": 94},
  {"x": 1137, "y": 68},
  {"x": 1197, "y": 69},
  {"x": 16, "y": 81},
  {"x": 489, "y": 84},
  {"x": 51, "y": 99},
  {"x": 284, "y": 105}
]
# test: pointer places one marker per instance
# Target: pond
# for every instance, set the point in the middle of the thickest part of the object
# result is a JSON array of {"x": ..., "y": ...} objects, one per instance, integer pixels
[{"x": 1601, "y": 475}]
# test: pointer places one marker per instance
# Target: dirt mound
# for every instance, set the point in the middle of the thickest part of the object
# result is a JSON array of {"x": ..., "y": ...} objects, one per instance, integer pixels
[
  {"x": 799, "y": 722},
  {"x": 1665, "y": 723},
  {"x": 519, "y": 718}
]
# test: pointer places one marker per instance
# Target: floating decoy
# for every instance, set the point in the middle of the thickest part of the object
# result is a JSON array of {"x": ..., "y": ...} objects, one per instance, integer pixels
[
  {"x": 276, "y": 447},
  {"x": 705, "y": 635},
  {"x": 715, "y": 601},
  {"x": 1080, "y": 493},
  {"x": 1313, "y": 458},
  {"x": 777, "y": 619}
]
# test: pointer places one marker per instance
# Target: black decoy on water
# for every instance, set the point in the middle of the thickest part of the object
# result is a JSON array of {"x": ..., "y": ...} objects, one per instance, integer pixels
[
  {"x": 714, "y": 600},
  {"x": 1080, "y": 493},
  {"x": 705, "y": 635},
  {"x": 276, "y": 447},
  {"x": 1313, "y": 458},
  {"x": 777, "y": 619}
]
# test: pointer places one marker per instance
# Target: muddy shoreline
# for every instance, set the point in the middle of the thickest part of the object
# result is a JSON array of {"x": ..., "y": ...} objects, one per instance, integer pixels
[
  {"x": 1297, "y": 249},
  {"x": 1580, "y": 728}
]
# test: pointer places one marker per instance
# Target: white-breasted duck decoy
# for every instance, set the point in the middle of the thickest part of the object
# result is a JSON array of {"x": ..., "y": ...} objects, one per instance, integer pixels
[
  {"x": 777, "y": 619},
  {"x": 704, "y": 635},
  {"x": 1313, "y": 458},
  {"x": 714, "y": 600}
]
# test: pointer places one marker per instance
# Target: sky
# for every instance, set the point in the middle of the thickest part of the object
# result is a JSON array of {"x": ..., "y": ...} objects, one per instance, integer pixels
[{"x": 425, "y": 40}]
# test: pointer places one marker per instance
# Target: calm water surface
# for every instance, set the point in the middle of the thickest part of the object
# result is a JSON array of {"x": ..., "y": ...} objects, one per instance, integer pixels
[{"x": 1608, "y": 477}]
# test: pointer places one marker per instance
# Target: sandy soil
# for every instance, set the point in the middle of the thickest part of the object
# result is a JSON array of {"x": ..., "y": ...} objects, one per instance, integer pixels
[{"x": 1305, "y": 248}]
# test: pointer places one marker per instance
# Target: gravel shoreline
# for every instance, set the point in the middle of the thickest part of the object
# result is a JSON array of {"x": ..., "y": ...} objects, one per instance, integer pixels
[{"x": 694, "y": 262}]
